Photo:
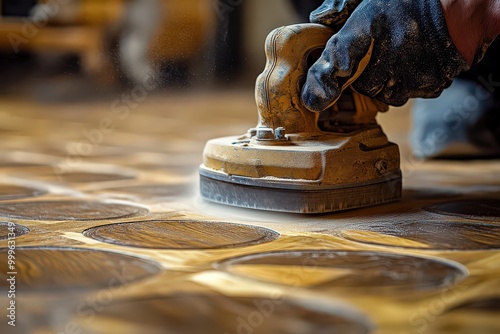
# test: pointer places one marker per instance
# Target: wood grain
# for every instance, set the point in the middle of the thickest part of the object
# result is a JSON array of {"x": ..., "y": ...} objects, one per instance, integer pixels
[
  {"x": 184, "y": 234},
  {"x": 19, "y": 230},
  {"x": 428, "y": 235},
  {"x": 10, "y": 192},
  {"x": 59, "y": 269},
  {"x": 165, "y": 191},
  {"x": 69, "y": 210},
  {"x": 431, "y": 194},
  {"x": 211, "y": 314},
  {"x": 480, "y": 316},
  {"x": 6, "y": 163},
  {"x": 396, "y": 263},
  {"x": 373, "y": 271},
  {"x": 480, "y": 209},
  {"x": 488, "y": 304},
  {"x": 83, "y": 177}
]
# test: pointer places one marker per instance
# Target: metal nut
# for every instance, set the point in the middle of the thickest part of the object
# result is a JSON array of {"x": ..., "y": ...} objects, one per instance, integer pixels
[
  {"x": 265, "y": 133},
  {"x": 382, "y": 166},
  {"x": 280, "y": 133}
]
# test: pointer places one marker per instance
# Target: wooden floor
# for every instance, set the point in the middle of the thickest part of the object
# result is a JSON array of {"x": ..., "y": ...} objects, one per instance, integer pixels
[{"x": 112, "y": 236}]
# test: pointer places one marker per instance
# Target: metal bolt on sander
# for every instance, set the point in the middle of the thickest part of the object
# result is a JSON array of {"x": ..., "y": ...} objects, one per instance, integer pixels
[{"x": 296, "y": 160}]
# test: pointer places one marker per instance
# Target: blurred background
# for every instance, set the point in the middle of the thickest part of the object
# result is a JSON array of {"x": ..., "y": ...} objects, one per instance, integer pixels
[
  {"x": 135, "y": 83},
  {"x": 112, "y": 101},
  {"x": 56, "y": 50}
]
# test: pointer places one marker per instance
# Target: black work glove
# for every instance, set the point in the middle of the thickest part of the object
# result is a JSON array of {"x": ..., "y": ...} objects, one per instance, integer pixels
[{"x": 400, "y": 49}]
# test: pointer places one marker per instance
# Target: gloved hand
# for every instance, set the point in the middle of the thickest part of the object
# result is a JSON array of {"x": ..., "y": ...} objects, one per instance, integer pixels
[{"x": 393, "y": 49}]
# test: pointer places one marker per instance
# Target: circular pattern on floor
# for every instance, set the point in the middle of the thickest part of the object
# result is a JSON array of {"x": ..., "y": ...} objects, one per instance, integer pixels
[
  {"x": 183, "y": 234},
  {"x": 6, "y": 228},
  {"x": 428, "y": 235},
  {"x": 69, "y": 210},
  {"x": 18, "y": 164},
  {"x": 491, "y": 304},
  {"x": 374, "y": 271},
  {"x": 56, "y": 269},
  {"x": 480, "y": 209},
  {"x": 429, "y": 194},
  {"x": 10, "y": 192},
  {"x": 154, "y": 190},
  {"x": 85, "y": 177},
  {"x": 214, "y": 314},
  {"x": 476, "y": 316}
]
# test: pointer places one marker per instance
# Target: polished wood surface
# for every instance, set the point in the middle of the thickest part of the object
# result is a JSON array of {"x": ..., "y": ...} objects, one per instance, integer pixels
[
  {"x": 58, "y": 269},
  {"x": 181, "y": 234},
  {"x": 8, "y": 192},
  {"x": 112, "y": 236},
  {"x": 174, "y": 315},
  {"x": 17, "y": 230},
  {"x": 68, "y": 210}
]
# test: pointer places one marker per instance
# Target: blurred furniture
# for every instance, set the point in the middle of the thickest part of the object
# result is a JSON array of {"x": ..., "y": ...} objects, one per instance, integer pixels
[
  {"x": 89, "y": 28},
  {"x": 186, "y": 27},
  {"x": 56, "y": 30}
]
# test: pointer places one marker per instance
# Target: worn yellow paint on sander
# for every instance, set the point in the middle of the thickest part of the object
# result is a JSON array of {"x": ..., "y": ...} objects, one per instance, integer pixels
[{"x": 296, "y": 160}]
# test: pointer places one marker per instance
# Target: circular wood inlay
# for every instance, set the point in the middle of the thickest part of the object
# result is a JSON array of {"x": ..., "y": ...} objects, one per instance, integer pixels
[
  {"x": 155, "y": 190},
  {"x": 215, "y": 314},
  {"x": 86, "y": 177},
  {"x": 56, "y": 269},
  {"x": 18, "y": 164},
  {"x": 476, "y": 316},
  {"x": 428, "y": 235},
  {"x": 480, "y": 209},
  {"x": 6, "y": 228},
  {"x": 430, "y": 194},
  {"x": 10, "y": 192},
  {"x": 185, "y": 234},
  {"x": 372, "y": 271},
  {"x": 69, "y": 210},
  {"x": 491, "y": 304}
]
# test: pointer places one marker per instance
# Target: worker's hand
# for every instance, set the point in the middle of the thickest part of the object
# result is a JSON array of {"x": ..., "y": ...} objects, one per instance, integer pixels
[
  {"x": 393, "y": 49},
  {"x": 334, "y": 13}
]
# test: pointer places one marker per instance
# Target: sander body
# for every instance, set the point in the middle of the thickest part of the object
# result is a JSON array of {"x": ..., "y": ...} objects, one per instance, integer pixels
[{"x": 296, "y": 160}]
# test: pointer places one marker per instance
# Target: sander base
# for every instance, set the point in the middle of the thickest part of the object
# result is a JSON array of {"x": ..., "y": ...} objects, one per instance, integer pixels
[
  {"x": 254, "y": 194},
  {"x": 302, "y": 173}
]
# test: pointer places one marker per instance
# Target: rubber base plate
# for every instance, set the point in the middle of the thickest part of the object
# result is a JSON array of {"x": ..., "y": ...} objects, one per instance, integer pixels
[{"x": 300, "y": 200}]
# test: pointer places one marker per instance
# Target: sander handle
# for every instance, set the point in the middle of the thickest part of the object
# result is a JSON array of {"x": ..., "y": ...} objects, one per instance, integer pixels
[{"x": 278, "y": 89}]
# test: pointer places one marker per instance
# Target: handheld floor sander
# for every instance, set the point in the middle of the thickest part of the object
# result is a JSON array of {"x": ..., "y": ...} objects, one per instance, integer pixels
[{"x": 296, "y": 160}]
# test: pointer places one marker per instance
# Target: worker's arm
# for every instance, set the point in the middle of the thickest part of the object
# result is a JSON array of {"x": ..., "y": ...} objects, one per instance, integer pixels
[
  {"x": 471, "y": 23},
  {"x": 414, "y": 48}
]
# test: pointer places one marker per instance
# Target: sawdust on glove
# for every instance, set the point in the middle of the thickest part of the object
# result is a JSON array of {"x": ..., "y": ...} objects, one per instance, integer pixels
[{"x": 391, "y": 50}]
